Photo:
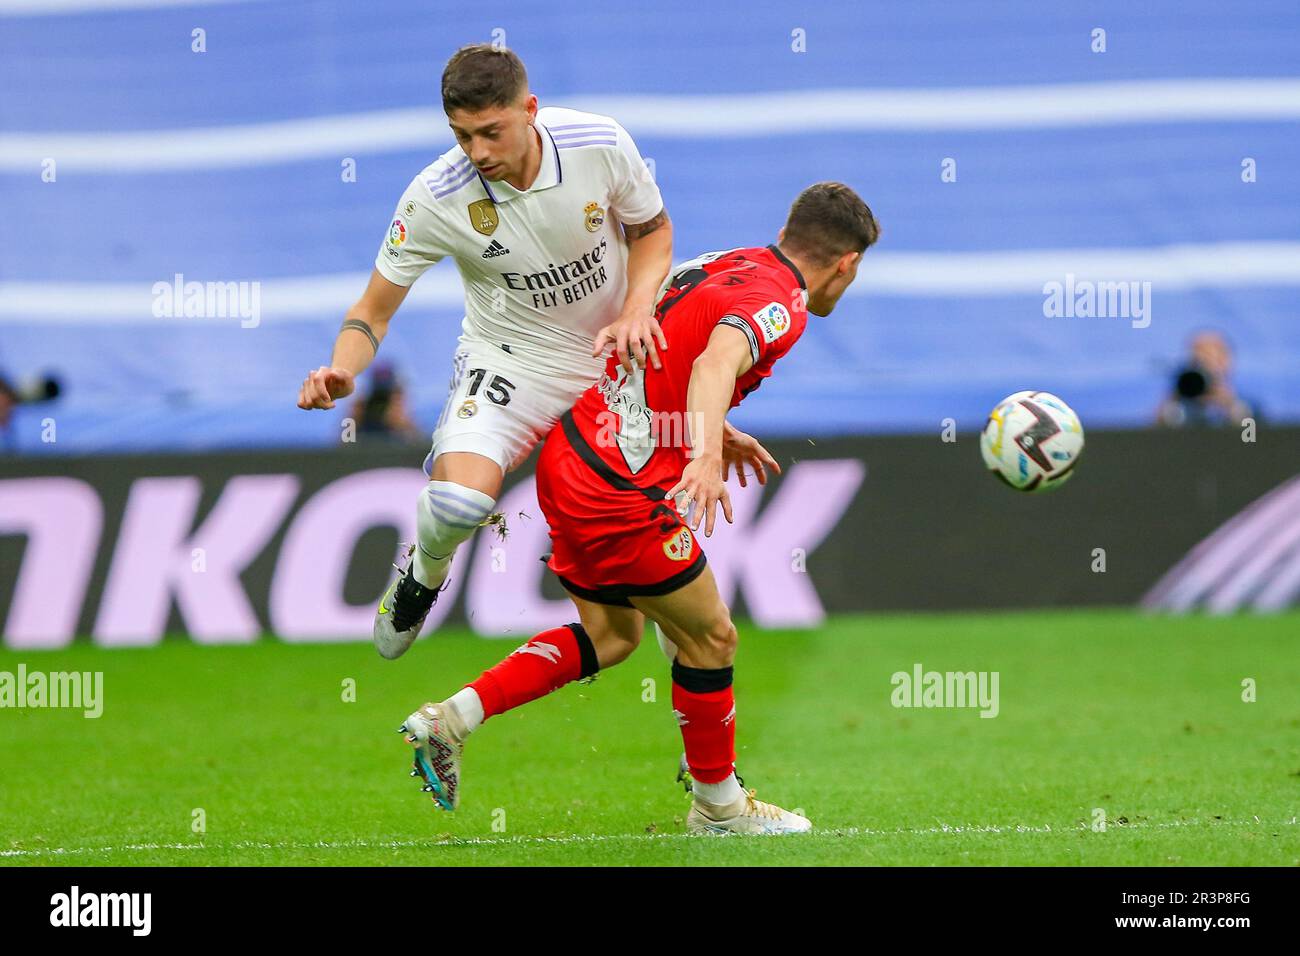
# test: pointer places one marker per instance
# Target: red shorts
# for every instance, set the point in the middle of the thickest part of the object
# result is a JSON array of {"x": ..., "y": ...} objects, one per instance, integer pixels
[{"x": 609, "y": 539}]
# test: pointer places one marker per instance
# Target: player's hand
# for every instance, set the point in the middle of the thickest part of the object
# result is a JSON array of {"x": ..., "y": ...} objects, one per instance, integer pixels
[
  {"x": 740, "y": 450},
  {"x": 701, "y": 485},
  {"x": 634, "y": 336},
  {"x": 321, "y": 387}
]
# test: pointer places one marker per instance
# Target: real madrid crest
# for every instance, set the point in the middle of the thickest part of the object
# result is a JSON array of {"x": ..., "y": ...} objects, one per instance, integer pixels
[
  {"x": 483, "y": 216},
  {"x": 595, "y": 216},
  {"x": 467, "y": 408}
]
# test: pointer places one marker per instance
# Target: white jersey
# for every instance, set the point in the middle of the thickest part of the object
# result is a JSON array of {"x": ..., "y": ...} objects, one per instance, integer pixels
[{"x": 544, "y": 269}]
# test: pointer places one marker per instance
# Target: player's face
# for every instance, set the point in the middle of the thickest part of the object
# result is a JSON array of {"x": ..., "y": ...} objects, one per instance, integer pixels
[
  {"x": 822, "y": 300},
  {"x": 497, "y": 139}
]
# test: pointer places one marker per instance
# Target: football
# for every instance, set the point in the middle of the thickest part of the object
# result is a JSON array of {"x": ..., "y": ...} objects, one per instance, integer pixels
[{"x": 1032, "y": 441}]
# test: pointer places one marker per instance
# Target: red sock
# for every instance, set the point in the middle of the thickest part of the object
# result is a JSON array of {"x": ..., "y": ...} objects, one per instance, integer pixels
[
  {"x": 546, "y": 663},
  {"x": 705, "y": 708}
]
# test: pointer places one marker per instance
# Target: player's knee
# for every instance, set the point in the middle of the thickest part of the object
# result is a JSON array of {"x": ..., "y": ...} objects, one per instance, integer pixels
[
  {"x": 717, "y": 642},
  {"x": 448, "y": 513}
]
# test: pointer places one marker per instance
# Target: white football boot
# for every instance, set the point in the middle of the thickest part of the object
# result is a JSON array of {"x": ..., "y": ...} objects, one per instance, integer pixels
[
  {"x": 437, "y": 733},
  {"x": 747, "y": 815},
  {"x": 402, "y": 610}
]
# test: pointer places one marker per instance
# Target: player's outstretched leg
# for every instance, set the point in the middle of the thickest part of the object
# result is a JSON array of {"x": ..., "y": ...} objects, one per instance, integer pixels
[
  {"x": 448, "y": 512},
  {"x": 696, "y": 620},
  {"x": 543, "y": 664}
]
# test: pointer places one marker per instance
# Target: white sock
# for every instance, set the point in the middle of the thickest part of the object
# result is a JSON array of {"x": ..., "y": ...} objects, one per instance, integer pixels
[
  {"x": 469, "y": 706},
  {"x": 722, "y": 794},
  {"x": 447, "y": 514}
]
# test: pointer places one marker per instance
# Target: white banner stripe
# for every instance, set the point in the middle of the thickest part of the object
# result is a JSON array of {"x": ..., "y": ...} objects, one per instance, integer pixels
[
  {"x": 707, "y": 117},
  {"x": 896, "y": 274},
  {"x": 1167, "y": 268},
  {"x": 45, "y": 8}
]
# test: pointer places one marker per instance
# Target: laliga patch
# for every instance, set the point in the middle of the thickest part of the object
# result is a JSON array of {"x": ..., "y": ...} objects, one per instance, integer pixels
[
  {"x": 680, "y": 546},
  {"x": 396, "y": 236},
  {"x": 397, "y": 233},
  {"x": 774, "y": 320}
]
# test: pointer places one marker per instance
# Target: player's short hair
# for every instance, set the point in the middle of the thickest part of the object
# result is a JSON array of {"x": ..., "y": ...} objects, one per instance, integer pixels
[
  {"x": 828, "y": 220},
  {"x": 480, "y": 76}
]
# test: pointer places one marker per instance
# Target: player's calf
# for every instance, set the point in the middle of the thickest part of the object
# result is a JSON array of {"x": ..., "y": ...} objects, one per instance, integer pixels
[
  {"x": 705, "y": 707},
  {"x": 698, "y": 623},
  {"x": 446, "y": 515},
  {"x": 543, "y": 664}
]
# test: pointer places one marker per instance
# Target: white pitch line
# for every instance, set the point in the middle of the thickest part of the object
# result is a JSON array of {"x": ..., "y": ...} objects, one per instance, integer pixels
[{"x": 578, "y": 839}]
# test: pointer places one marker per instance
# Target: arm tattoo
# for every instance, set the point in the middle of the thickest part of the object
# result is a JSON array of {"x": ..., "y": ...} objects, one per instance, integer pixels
[
  {"x": 362, "y": 327},
  {"x": 635, "y": 232}
]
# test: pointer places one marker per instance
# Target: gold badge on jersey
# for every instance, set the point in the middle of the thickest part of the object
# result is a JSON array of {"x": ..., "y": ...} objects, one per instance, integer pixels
[
  {"x": 595, "y": 216},
  {"x": 483, "y": 216}
]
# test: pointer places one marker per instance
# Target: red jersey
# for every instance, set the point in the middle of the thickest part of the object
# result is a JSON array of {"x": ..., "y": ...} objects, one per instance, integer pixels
[{"x": 637, "y": 424}]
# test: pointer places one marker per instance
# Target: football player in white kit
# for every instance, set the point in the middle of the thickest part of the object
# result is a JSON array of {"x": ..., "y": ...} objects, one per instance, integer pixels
[{"x": 562, "y": 241}]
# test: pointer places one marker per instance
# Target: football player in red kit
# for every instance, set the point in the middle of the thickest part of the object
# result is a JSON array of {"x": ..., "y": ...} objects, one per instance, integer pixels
[{"x": 625, "y": 480}]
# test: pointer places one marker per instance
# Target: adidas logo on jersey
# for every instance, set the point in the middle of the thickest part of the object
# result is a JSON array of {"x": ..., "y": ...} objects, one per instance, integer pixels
[{"x": 494, "y": 250}]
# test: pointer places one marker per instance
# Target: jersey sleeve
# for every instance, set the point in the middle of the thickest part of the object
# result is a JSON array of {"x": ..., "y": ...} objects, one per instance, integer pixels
[
  {"x": 634, "y": 197},
  {"x": 767, "y": 323},
  {"x": 413, "y": 241}
]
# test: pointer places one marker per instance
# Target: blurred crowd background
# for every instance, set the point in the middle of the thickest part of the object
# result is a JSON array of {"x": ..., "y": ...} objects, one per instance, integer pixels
[{"x": 1003, "y": 147}]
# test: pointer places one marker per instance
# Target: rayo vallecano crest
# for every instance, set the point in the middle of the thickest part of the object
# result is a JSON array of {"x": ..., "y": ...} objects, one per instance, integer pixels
[{"x": 680, "y": 546}]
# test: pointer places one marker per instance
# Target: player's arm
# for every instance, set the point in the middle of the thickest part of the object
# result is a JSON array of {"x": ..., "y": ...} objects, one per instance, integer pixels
[
  {"x": 364, "y": 327},
  {"x": 636, "y": 202},
  {"x": 708, "y": 396},
  {"x": 636, "y": 332}
]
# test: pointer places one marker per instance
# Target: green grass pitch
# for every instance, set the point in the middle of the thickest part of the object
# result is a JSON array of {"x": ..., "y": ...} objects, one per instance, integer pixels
[{"x": 1141, "y": 717}]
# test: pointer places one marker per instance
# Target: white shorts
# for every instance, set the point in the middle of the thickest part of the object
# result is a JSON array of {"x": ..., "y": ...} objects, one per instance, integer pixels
[{"x": 500, "y": 407}]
